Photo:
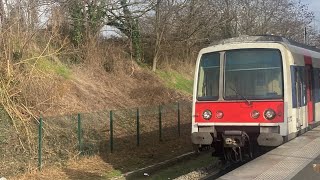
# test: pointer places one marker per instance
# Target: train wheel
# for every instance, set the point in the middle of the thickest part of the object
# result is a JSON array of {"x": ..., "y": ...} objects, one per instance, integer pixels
[
  {"x": 196, "y": 148},
  {"x": 201, "y": 148},
  {"x": 217, "y": 149}
]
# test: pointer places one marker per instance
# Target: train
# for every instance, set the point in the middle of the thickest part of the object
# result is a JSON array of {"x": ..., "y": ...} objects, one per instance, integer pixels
[{"x": 254, "y": 90}]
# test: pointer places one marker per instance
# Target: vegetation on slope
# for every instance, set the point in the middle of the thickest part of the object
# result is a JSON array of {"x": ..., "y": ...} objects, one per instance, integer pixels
[{"x": 175, "y": 80}]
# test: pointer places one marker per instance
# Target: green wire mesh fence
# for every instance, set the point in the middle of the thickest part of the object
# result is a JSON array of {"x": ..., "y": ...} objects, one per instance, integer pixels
[
  {"x": 58, "y": 139},
  {"x": 105, "y": 132}
]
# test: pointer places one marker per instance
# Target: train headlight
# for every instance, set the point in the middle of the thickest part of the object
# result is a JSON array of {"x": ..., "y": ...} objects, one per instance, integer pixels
[
  {"x": 219, "y": 114},
  {"x": 269, "y": 114},
  {"x": 207, "y": 114},
  {"x": 255, "y": 114}
]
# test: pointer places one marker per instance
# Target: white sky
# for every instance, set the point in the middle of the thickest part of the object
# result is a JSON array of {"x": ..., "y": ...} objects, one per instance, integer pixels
[{"x": 314, "y": 5}]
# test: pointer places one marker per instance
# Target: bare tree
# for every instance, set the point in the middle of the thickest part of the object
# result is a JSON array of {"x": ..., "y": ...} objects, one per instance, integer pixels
[
  {"x": 124, "y": 15},
  {"x": 159, "y": 34},
  {"x": 32, "y": 13},
  {"x": 2, "y": 14}
]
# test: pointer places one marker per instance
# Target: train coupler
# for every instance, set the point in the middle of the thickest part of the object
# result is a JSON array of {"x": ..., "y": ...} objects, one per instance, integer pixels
[
  {"x": 234, "y": 144},
  {"x": 234, "y": 138}
]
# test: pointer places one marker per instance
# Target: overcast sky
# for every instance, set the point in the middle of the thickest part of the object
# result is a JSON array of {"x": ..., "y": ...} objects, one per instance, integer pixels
[{"x": 314, "y": 5}]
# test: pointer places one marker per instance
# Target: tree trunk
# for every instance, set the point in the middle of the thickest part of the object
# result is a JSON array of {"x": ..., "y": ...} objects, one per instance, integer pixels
[
  {"x": 136, "y": 41},
  {"x": 134, "y": 30},
  {"x": 157, "y": 43},
  {"x": 33, "y": 13},
  {"x": 2, "y": 14}
]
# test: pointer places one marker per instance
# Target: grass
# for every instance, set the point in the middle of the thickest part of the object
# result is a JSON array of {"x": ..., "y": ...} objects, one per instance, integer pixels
[
  {"x": 58, "y": 68},
  {"x": 3, "y": 129},
  {"x": 177, "y": 81},
  {"x": 113, "y": 174}
]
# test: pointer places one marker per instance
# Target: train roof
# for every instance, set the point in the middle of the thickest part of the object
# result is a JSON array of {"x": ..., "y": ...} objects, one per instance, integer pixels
[{"x": 265, "y": 38}]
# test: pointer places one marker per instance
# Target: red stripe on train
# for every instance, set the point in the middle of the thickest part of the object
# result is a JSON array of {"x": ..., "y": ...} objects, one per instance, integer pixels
[
  {"x": 307, "y": 59},
  {"x": 239, "y": 112},
  {"x": 308, "y": 63}
]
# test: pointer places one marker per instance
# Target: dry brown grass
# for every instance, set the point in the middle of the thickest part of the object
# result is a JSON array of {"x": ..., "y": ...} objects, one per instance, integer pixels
[
  {"x": 122, "y": 161},
  {"x": 93, "y": 89},
  {"x": 85, "y": 168},
  {"x": 27, "y": 89}
]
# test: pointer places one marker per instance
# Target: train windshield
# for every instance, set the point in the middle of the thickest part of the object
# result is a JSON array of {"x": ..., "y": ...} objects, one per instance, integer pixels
[
  {"x": 253, "y": 74},
  {"x": 209, "y": 72}
]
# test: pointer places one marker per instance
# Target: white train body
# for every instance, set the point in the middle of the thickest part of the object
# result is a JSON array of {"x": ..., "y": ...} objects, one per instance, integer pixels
[{"x": 233, "y": 96}]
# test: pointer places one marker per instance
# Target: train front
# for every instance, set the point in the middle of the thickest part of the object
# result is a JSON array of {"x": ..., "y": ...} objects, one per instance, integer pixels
[{"x": 238, "y": 98}]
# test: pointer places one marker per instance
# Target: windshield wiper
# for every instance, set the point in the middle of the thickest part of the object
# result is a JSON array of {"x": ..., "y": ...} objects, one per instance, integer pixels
[
  {"x": 204, "y": 89},
  {"x": 249, "y": 102}
]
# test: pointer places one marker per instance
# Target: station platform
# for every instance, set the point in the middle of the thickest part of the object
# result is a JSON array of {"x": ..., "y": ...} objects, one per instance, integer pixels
[{"x": 297, "y": 159}]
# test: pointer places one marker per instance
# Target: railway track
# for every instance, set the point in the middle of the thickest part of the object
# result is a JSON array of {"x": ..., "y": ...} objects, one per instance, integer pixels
[
  {"x": 201, "y": 166},
  {"x": 227, "y": 166}
]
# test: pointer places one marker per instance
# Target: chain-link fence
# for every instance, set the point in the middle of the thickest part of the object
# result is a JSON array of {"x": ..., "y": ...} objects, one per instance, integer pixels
[
  {"x": 107, "y": 132},
  {"x": 121, "y": 137},
  {"x": 57, "y": 139}
]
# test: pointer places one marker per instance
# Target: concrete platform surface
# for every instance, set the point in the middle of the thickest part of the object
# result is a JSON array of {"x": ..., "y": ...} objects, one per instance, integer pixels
[{"x": 297, "y": 159}]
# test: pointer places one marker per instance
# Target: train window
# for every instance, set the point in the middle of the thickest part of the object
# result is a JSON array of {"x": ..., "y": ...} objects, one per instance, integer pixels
[
  {"x": 316, "y": 87},
  {"x": 253, "y": 74},
  {"x": 208, "y": 82},
  {"x": 299, "y": 85},
  {"x": 304, "y": 86}
]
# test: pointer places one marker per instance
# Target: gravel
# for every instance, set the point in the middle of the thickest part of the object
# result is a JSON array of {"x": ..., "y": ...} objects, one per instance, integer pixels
[
  {"x": 201, "y": 172},
  {"x": 194, "y": 175}
]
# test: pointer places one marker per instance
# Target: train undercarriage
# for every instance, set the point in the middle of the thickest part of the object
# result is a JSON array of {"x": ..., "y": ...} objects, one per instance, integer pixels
[{"x": 235, "y": 144}]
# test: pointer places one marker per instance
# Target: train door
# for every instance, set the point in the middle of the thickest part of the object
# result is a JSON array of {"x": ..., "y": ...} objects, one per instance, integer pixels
[
  {"x": 309, "y": 93},
  {"x": 299, "y": 96}
]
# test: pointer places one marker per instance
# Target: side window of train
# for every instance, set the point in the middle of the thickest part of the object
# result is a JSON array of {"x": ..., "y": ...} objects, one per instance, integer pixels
[
  {"x": 316, "y": 83},
  {"x": 298, "y": 86},
  {"x": 318, "y": 86},
  {"x": 317, "y": 96},
  {"x": 304, "y": 82}
]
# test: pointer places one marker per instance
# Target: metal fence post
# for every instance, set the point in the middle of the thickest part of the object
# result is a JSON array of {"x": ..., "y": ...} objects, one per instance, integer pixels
[
  {"x": 160, "y": 124},
  {"x": 79, "y": 133},
  {"x": 40, "y": 144},
  {"x": 138, "y": 127},
  {"x": 111, "y": 131},
  {"x": 179, "y": 119}
]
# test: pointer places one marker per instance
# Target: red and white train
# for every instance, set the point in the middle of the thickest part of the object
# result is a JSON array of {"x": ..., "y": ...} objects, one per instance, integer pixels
[{"x": 255, "y": 89}]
